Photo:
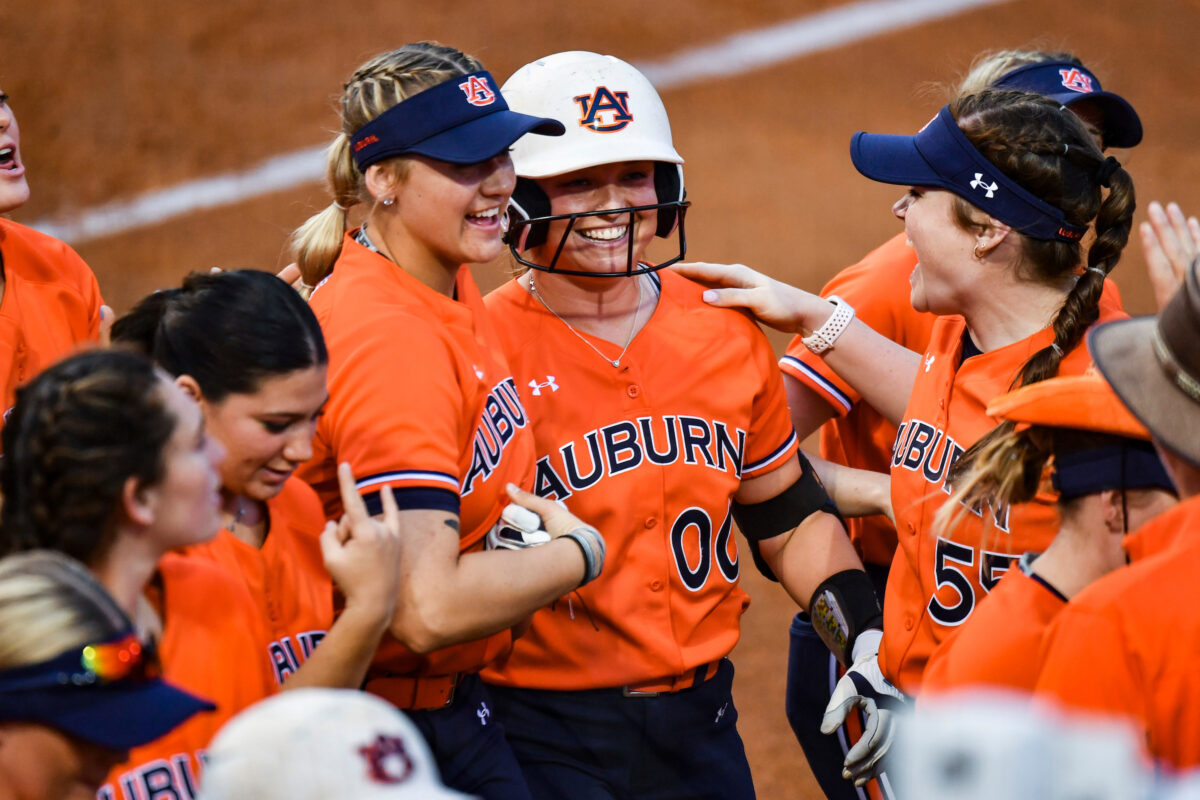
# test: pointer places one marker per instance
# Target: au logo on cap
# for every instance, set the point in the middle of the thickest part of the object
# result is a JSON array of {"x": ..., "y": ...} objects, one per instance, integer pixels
[
  {"x": 387, "y": 759},
  {"x": 477, "y": 91},
  {"x": 604, "y": 110},
  {"x": 1075, "y": 80}
]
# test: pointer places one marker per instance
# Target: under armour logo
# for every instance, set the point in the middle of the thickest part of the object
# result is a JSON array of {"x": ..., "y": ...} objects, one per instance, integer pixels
[
  {"x": 549, "y": 384},
  {"x": 1075, "y": 80},
  {"x": 483, "y": 712},
  {"x": 978, "y": 183},
  {"x": 478, "y": 371},
  {"x": 929, "y": 361},
  {"x": 720, "y": 713}
]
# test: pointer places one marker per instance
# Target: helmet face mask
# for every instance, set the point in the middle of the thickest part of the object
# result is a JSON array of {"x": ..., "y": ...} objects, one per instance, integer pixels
[{"x": 612, "y": 115}]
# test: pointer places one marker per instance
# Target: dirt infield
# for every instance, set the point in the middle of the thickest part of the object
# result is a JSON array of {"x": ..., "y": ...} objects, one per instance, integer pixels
[{"x": 129, "y": 96}]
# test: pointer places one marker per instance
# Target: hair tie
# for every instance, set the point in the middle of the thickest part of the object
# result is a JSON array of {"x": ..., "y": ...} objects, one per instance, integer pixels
[
  {"x": 1106, "y": 169},
  {"x": 1102, "y": 273},
  {"x": 1057, "y": 349},
  {"x": 339, "y": 206}
]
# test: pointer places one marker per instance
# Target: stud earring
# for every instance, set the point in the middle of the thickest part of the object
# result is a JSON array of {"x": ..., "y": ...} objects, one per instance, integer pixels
[{"x": 388, "y": 201}]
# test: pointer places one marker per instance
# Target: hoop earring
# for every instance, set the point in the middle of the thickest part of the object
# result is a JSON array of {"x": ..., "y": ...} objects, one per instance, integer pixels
[{"x": 978, "y": 255}]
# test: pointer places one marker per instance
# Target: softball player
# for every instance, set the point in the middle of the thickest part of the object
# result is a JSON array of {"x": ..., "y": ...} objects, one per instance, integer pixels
[
  {"x": 663, "y": 421},
  {"x": 50, "y": 299},
  {"x": 1000, "y": 251},
  {"x": 1108, "y": 481},
  {"x": 422, "y": 399},
  {"x": 857, "y": 435},
  {"x": 1135, "y": 632}
]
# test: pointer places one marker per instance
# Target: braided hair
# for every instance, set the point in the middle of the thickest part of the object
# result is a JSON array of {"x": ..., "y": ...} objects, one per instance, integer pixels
[
  {"x": 78, "y": 432},
  {"x": 376, "y": 86},
  {"x": 1049, "y": 152}
]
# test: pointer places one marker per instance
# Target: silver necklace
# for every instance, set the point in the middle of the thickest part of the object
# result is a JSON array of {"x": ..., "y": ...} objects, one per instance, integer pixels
[{"x": 616, "y": 362}]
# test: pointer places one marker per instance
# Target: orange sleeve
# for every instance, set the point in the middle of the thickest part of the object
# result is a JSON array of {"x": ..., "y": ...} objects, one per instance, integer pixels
[
  {"x": 1087, "y": 665},
  {"x": 879, "y": 290},
  {"x": 395, "y": 408},
  {"x": 771, "y": 441}
]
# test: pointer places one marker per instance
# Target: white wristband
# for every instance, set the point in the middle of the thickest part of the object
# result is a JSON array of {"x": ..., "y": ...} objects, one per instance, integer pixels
[{"x": 823, "y": 337}]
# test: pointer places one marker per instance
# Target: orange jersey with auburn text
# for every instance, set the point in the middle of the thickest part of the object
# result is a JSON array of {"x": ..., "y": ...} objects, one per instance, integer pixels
[
  {"x": 421, "y": 398},
  {"x": 286, "y": 576},
  {"x": 999, "y": 645},
  {"x": 211, "y": 646},
  {"x": 859, "y": 436},
  {"x": 651, "y": 453},
  {"x": 51, "y": 303},
  {"x": 937, "y": 579},
  {"x": 1127, "y": 644}
]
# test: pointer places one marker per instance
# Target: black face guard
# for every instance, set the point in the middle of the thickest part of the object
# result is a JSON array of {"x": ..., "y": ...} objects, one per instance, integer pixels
[{"x": 676, "y": 207}]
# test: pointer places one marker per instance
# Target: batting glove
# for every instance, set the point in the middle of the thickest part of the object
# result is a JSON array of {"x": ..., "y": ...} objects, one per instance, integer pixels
[
  {"x": 864, "y": 687},
  {"x": 517, "y": 528}
]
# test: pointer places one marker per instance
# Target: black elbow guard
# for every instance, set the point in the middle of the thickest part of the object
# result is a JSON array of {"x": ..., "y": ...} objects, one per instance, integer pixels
[
  {"x": 841, "y": 608},
  {"x": 783, "y": 512}
]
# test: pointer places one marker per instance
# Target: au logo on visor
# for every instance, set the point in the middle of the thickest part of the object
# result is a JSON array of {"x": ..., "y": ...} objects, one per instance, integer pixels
[{"x": 477, "y": 91}]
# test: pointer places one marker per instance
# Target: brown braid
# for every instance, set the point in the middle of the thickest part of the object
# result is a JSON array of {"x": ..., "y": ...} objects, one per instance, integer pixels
[
  {"x": 374, "y": 87},
  {"x": 1049, "y": 152},
  {"x": 77, "y": 433}
]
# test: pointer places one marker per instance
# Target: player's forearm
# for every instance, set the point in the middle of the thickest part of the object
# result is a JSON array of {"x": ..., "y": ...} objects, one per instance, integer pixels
[
  {"x": 881, "y": 371},
  {"x": 484, "y": 593},
  {"x": 856, "y": 492},
  {"x": 342, "y": 658},
  {"x": 802, "y": 558}
]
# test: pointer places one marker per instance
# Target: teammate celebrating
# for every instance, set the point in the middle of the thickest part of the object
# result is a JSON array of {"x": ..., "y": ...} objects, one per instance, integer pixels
[
  {"x": 854, "y": 433},
  {"x": 664, "y": 421},
  {"x": 1137, "y": 631},
  {"x": 421, "y": 399},
  {"x": 49, "y": 300},
  {"x": 1001, "y": 250},
  {"x": 1109, "y": 481}
]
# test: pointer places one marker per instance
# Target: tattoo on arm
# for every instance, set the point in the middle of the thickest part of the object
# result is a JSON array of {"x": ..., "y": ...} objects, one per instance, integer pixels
[{"x": 453, "y": 524}]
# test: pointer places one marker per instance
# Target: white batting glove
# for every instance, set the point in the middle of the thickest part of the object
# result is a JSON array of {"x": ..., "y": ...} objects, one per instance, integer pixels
[
  {"x": 864, "y": 687},
  {"x": 517, "y": 528}
]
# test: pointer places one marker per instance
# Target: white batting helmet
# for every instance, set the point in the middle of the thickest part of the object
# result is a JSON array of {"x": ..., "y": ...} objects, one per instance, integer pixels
[{"x": 612, "y": 114}]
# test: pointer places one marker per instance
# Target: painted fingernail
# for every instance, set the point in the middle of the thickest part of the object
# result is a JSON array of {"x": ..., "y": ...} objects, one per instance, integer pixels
[{"x": 709, "y": 296}]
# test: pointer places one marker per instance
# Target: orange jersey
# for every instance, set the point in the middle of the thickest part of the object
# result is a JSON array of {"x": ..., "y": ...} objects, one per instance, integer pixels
[
  {"x": 51, "y": 303},
  {"x": 859, "y": 436},
  {"x": 651, "y": 453},
  {"x": 999, "y": 645},
  {"x": 936, "y": 580},
  {"x": 210, "y": 646},
  {"x": 286, "y": 576},
  {"x": 1127, "y": 644},
  {"x": 421, "y": 398}
]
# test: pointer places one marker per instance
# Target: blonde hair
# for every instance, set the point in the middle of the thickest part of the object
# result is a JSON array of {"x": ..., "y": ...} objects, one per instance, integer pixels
[
  {"x": 376, "y": 86},
  {"x": 992, "y": 65},
  {"x": 49, "y": 604}
]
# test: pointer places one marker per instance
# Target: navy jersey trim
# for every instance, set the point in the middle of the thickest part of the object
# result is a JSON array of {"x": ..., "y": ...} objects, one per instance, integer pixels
[{"x": 820, "y": 380}]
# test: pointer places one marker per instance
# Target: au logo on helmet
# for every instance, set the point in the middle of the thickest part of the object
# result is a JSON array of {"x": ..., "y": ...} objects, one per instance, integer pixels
[
  {"x": 604, "y": 110},
  {"x": 477, "y": 91},
  {"x": 1075, "y": 80}
]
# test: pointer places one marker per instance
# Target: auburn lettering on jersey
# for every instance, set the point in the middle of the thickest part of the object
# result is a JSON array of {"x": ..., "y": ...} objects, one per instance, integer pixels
[
  {"x": 936, "y": 581},
  {"x": 422, "y": 399},
  {"x": 650, "y": 452}
]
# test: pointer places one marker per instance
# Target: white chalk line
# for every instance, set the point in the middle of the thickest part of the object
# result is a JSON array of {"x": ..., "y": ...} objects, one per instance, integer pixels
[{"x": 734, "y": 55}]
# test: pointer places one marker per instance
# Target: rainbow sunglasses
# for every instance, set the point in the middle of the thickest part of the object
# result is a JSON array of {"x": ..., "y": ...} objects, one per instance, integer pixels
[{"x": 124, "y": 658}]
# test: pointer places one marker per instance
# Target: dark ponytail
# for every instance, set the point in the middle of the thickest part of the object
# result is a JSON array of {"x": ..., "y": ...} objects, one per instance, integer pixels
[
  {"x": 1048, "y": 151},
  {"x": 79, "y": 430},
  {"x": 228, "y": 330}
]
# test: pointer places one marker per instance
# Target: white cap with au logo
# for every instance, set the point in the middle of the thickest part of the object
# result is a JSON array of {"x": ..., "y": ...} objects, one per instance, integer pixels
[
  {"x": 611, "y": 111},
  {"x": 316, "y": 744}
]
